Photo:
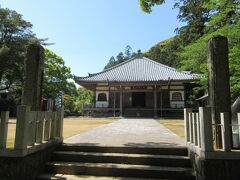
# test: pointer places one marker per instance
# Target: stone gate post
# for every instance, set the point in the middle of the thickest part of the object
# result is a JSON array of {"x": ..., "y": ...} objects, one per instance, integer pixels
[
  {"x": 32, "y": 89},
  {"x": 219, "y": 88}
]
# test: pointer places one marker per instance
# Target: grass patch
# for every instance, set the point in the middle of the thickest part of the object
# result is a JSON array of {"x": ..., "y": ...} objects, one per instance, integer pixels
[
  {"x": 176, "y": 126},
  {"x": 71, "y": 127},
  {"x": 11, "y": 135}
]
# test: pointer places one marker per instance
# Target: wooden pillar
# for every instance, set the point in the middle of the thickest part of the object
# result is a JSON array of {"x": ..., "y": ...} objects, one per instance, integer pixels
[
  {"x": 32, "y": 89},
  {"x": 121, "y": 102},
  {"x": 155, "y": 101},
  {"x": 114, "y": 102},
  {"x": 219, "y": 87},
  {"x": 95, "y": 97}
]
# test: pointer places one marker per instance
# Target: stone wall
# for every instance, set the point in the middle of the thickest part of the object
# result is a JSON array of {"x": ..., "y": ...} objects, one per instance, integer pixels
[
  {"x": 25, "y": 168},
  {"x": 215, "y": 169}
]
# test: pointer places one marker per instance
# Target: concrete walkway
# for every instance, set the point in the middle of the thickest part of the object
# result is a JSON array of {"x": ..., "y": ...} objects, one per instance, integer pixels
[{"x": 129, "y": 132}]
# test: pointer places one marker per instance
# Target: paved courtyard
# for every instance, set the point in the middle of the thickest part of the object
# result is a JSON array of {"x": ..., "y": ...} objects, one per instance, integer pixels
[{"x": 129, "y": 132}]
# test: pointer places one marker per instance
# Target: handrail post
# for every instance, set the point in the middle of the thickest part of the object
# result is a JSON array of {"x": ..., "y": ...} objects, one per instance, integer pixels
[
  {"x": 60, "y": 116},
  {"x": 225, "y": 129},
  {"x": 47, "y": 126},
  {"x": 190, "y": 127},
  {"x": 39, "y": 131},
  {"x": 239, "y": 126},
  {"x": 4, "y": 129},
  {"x": 194, "y": 119},
  {"x": 22, "y": 127},
  {"x": 53, "y": 125},
  {"x": 186, "y": 123},
  {"x": 198, "y": 130},
  {"x": 206, "y": 129}
]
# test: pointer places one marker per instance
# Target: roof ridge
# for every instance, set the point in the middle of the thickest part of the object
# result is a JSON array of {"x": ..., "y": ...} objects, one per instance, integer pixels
[
  {"x": 113, "y": 67},
  {"x": 132, "y": 59},
  {"x": 163, "y": 65},
  {"x": 184, "y": 72}
]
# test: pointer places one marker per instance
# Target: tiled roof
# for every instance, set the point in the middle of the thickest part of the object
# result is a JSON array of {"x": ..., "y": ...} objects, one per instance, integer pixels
[{"x": 139, "y": 69}]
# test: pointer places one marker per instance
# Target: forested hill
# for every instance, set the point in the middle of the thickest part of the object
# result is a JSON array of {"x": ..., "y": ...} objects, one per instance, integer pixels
[
  {"x": 187, "y": 49},
  {"x": 205, "y": 19},
  {"x": 165, "y": 52}
]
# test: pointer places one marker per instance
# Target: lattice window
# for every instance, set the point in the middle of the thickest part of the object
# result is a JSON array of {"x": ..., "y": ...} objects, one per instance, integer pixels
[
  {"x": 177, "y": 96},
  {"x": 102, "y": 97}
]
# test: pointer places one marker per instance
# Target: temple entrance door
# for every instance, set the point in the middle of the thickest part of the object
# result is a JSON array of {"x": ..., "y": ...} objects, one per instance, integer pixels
[{"x": 138, "y": 99}]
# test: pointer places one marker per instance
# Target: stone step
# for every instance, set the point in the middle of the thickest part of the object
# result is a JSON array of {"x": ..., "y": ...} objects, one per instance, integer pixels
[
  {"x": 81, "y": 177},
  {"x": 138, "y": 159},
  {"x": 120, "y": 170},
  {"x": 165, "y": 150}
]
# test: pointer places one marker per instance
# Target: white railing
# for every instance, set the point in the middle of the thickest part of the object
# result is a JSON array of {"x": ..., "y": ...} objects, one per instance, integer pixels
[
  {"x": 34, "y": 131},
  {"x": 199, "y": 130}
]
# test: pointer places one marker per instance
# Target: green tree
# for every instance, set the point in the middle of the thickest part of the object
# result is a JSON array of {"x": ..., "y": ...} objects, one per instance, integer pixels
[
  {"x": 204, "y": 19},
  {"x": 84, "y": 95},
  {"x": 146, "y": 5},
  {"x": 15, "y": 35},
  {"x": 68, "y": 102},
  {"x": 165, "y": 52},
  {"x": 73, "y": 103},
  {"x": 56, "y": 77},
  {"x": 128, "y": 51},
  {"x": 110, "y": 63},
  {"x": 120, "y": 57}
]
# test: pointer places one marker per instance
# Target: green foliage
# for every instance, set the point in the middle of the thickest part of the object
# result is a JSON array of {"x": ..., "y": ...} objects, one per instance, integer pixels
[
  {"x": 56, "y": 77},
  {"x": 146, "y": 5},
  {"x": 205, "y": 19},
  {"x": 84, "y": 96},
  {"x": 73, "y": 104},
  {"x": 194, "y": 57},
  {"x": 69, "y": 104},
  {"x": 165, "y": 52},
  {"x": 121, "y": 57},
  {"x": 15, "y": 35}
]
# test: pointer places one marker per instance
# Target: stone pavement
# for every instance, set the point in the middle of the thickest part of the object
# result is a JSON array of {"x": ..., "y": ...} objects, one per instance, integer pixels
[{"x": 130, "y": 133}]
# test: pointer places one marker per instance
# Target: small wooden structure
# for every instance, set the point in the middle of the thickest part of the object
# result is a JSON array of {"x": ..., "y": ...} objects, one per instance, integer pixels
[{"x": 139, "y": 87}]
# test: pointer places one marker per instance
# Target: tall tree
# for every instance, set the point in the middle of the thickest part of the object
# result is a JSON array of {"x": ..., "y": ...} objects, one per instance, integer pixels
[
  {"x": 165, "y": 52},
  {"x": 193, "y": 12},
  {"x": 146, "y": 5},
  {"x": 128, "y": 51},
  {"x": 56, "y": 77},
  {"x": 15, "y": 35},
  {"x": 120, "y": 57},
  {"x": 111, "y": 62}
]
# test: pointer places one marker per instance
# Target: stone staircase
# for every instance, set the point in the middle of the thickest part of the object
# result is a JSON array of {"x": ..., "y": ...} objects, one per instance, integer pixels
[{"x": 134, "y": 162}]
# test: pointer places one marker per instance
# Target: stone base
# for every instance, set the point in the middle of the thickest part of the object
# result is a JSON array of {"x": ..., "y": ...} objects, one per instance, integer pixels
[
  {"x": 215, "y": 169},
  {"x": 27, "y": 167}
]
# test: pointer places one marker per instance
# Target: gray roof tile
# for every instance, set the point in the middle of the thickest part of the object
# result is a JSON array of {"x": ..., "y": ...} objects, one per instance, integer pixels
[{"x": 138, "y": 69}]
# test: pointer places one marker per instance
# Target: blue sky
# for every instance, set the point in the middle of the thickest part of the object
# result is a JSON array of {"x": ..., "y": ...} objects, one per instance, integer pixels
[{"x": 87, "y": 33}]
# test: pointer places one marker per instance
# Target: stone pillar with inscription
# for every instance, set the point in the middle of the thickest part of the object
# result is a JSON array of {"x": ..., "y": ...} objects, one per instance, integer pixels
[
  {"x": 33, "y": 77},
  {"x": 219, "y": 87}
]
